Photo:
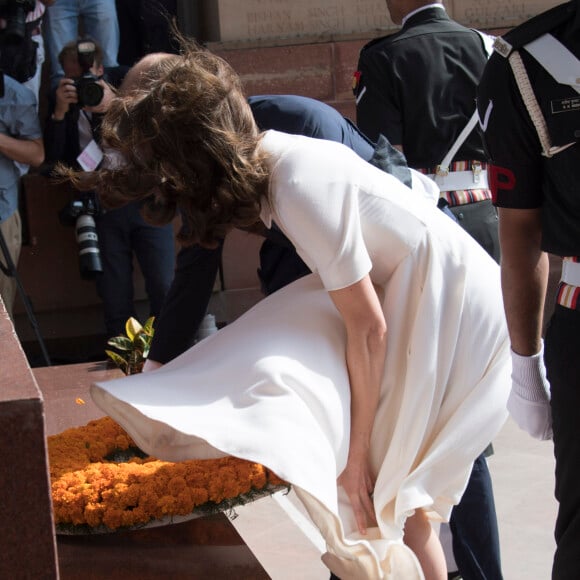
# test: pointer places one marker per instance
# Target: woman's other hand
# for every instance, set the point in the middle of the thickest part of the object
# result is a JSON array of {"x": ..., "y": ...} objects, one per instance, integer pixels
[{"x": 358, "y": 483}]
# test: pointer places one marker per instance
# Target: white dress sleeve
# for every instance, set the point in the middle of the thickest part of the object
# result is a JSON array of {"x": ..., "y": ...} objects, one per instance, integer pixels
[{"x": 319, "y": 212}]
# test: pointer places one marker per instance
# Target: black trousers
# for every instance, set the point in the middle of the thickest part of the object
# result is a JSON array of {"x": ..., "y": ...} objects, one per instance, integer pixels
[
  {"x": 481, "y": 222},
  {"x": 474, "y": 528},
  {"x": 562, "y": 356}
]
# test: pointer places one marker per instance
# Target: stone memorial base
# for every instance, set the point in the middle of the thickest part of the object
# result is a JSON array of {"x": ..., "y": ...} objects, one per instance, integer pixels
[{"x": 207, "y": 547}]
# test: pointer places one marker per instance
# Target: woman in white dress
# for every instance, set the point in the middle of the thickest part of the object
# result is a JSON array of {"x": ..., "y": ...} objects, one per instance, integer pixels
[{"x": 370, "y": 385}]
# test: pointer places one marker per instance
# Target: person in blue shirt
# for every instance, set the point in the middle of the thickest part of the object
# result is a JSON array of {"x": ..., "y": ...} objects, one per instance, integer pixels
[{"x": 20, "y": 143}]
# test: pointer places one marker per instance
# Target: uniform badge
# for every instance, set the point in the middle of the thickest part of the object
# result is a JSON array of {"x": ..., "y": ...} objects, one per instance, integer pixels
[
  {"x": 356, "y": 82},
  {"x": 357, "y": 88}
]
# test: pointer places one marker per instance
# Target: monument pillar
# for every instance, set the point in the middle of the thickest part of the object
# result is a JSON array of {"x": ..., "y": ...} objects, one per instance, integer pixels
[{"x": 26, "y": 524}]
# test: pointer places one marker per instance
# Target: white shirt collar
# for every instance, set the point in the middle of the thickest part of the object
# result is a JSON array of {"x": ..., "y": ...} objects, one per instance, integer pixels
[{"x": 434, "y": 5}]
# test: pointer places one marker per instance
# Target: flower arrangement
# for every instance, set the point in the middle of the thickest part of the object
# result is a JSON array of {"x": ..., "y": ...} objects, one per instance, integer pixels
[{"x": 102, "y": 482}]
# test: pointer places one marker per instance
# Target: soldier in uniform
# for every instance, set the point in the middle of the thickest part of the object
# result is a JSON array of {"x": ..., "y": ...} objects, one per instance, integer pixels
[
  {"x": 417, "y": 87},
  {"x": 529, "y": 108}
]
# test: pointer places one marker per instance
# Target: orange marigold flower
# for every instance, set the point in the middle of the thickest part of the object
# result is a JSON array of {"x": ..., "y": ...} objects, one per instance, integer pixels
[{"x": 87, "y": 488}]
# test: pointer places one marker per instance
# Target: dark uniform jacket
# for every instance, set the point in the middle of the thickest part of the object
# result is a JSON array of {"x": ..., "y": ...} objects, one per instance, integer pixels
[
  {"x": 417, "y": 87},
  {"x": 521, "y": 176}
]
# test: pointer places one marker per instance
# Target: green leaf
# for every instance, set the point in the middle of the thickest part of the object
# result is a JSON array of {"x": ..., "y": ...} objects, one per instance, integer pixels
[
  {"x": 148, "y": 327},
  {"x": 118, "y": 360},
  {"x": 132, "y": 328},
  {"x": 121, "y": 342}
]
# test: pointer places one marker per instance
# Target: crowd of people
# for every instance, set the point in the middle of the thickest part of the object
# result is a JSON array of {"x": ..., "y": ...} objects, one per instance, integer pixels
[
  {"x": 90, "y": 46},
  {"x": 405, "y": 262}
]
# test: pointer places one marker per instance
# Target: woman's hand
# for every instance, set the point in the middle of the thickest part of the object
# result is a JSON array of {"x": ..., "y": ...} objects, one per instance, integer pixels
[
  {"x": 358, "y": 483},
  {"x": 366, "y": 347}
]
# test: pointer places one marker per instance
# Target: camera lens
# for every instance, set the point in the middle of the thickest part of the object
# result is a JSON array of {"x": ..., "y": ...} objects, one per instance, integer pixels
[
  {"x": 88, "y": 241},
  {"x": 90, "y": 93},
  {"x": 15, "y": 30}
]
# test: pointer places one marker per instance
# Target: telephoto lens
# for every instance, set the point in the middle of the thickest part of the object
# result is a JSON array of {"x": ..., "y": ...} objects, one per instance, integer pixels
[{"x": 89, "y": 255}]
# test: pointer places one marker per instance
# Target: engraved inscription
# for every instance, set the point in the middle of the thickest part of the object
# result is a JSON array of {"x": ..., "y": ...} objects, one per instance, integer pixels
[
  {"x": 324, "y": 18},
  {"x": 272, "y": 22},
  {"x": 263, "y": 19},
  {"x": 498, "y": 14}
]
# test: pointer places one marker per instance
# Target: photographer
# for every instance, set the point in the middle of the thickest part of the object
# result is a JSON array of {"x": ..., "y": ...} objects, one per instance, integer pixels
[
  {"x": 72, "y": 136},
  {"x": 63, "y": 19},
  {"x": 20, "y": 142}
]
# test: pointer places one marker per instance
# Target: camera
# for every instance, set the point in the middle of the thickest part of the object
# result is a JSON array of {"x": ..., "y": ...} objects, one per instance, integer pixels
[
  {"x": 14, "y": 12},
  {"x": 80, "y": 213},
  {"x": 89, "y": 91}
]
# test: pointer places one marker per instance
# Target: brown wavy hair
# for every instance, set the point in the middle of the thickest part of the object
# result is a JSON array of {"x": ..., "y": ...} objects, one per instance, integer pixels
[{"x": 189, "y": 142}]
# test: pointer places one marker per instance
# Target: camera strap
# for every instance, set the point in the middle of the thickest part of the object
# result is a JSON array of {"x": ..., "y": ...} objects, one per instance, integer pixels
[
  {"x": 92, "y": 155},
  {"x": 95, "y": 120}
]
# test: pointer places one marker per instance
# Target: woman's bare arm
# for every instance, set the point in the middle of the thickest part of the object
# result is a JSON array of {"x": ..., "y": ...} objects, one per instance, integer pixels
[{"x": 366, "y": 345}]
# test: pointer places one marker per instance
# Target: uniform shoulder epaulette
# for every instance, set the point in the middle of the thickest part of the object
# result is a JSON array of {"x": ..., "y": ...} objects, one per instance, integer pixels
[{"x": 533, "y": 28}]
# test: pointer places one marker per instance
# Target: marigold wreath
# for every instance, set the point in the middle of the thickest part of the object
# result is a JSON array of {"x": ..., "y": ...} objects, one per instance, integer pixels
[{"x": 101, "y": 482}]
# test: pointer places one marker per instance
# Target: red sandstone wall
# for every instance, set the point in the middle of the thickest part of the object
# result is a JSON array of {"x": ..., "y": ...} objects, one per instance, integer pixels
[{"x": 321, "y": 71}]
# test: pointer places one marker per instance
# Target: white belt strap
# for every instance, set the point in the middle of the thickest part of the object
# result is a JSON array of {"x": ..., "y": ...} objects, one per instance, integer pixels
[
  {"x": 460, "y": 180},
  {"x": 443, "y": 167},
  {"x": 556, "y": 59},
  {"x": 570, "y": 273}
]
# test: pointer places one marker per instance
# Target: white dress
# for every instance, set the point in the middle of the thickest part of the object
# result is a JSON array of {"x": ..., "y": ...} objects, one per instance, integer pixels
[{"x": 272, "y": 387}]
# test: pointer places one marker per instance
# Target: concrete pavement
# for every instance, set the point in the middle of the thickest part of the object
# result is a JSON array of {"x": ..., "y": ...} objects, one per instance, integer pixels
[{"x": 289, "y": 547}]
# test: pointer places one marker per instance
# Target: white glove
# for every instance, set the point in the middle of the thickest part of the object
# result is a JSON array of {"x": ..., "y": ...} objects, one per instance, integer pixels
[{"x": 529, "y": 400}]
